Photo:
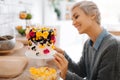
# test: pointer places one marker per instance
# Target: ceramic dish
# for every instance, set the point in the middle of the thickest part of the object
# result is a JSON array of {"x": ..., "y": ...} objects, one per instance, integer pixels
[
  {"x": 7, "y": 42},
  {"x": 18, "y": 46}
]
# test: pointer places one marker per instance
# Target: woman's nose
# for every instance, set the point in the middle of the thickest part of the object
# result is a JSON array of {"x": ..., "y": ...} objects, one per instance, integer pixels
[{"x": 74, "y": 22}]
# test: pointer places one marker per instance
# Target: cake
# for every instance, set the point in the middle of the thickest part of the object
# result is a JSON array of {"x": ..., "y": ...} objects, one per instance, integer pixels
[
  {"x": 43, "y": 73},
  {"x": 41, "y": 40}
]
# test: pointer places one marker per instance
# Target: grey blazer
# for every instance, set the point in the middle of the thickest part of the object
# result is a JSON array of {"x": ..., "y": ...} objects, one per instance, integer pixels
[{"x": 105, "y": 66}]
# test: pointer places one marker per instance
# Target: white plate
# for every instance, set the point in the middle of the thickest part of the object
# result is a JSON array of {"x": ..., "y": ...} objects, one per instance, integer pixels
[
  {"x": 18, "y": 45},
  {"x": 31, "y": 54}
]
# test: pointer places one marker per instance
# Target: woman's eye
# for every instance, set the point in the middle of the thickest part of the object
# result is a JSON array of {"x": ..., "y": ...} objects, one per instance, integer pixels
[{"x": 76, "y": 16}]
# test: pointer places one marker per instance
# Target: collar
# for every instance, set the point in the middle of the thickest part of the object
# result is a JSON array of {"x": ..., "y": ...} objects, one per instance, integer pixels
[{"x": 99, "y": 39}]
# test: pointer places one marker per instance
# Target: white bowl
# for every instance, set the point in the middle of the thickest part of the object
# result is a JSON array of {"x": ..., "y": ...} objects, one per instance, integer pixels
[
  {"x": 56, "y": 75},
  {"x": 7, "y": 42}
]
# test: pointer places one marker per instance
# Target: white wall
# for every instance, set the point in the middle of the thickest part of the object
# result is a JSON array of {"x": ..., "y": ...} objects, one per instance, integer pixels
[
  {"x": 37, "y": 11},
  {"x": 10, "y": 9}
]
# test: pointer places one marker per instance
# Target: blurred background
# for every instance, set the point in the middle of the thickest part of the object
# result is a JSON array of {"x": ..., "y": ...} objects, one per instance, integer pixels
[{"x": 56, "y": 13}]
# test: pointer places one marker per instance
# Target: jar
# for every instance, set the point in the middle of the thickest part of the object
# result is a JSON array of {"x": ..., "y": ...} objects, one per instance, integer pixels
[{"x": 7, "y": 37}]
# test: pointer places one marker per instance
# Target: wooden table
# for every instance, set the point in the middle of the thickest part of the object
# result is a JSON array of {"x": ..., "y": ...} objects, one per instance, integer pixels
[
  {"x": 21, "y": 52},
  {"x": 31, "y": 63},
  {"x": 24, "y": 75}
]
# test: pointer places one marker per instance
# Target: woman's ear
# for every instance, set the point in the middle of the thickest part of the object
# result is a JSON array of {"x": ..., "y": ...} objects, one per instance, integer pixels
[{"x": 93, "y": 16}]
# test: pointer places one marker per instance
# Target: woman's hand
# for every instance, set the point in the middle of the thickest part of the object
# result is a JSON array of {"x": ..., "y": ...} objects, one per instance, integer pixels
[
  {"x": 62, "y": 64},
  {"x": 59, "y": 50}
]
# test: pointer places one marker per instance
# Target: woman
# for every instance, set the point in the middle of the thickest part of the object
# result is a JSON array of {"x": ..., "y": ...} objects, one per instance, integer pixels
[{"x": 99, "y": 59}]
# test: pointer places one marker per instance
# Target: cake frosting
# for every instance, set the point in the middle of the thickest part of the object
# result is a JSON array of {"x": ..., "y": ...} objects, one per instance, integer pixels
[
  {"x": 41, "y": 40},
  {"x": 43, "y": 73}
]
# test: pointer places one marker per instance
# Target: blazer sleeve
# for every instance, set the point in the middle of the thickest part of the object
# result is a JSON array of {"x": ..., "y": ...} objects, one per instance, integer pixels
[
  {"x": 76, "y": 70},
  {"x": 73, "y": 76}
]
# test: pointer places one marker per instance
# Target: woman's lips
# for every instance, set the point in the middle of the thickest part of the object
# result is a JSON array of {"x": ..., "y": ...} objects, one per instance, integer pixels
[{"x": 78, "y": 27}]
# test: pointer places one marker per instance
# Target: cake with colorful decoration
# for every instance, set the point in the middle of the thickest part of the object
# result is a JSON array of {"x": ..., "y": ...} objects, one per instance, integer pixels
[{"x": 41, "y": 40}]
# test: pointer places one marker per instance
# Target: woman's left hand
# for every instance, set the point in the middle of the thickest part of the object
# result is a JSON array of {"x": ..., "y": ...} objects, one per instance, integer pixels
[{"x": 62, "y": 64}]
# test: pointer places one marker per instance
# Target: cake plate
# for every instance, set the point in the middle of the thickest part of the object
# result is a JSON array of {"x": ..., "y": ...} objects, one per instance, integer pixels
[{"x": 41, "y": 60}]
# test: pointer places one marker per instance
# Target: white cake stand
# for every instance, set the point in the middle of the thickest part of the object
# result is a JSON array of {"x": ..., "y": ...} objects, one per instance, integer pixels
[{"x": 41, "y": 60}]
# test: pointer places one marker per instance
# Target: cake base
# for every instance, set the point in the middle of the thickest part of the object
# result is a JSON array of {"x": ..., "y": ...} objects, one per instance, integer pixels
[{"x": 32, "y": 54}]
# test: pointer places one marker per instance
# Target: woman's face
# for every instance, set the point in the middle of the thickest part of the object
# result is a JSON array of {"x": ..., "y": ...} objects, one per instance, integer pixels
[{"x": 81, "y": 21}]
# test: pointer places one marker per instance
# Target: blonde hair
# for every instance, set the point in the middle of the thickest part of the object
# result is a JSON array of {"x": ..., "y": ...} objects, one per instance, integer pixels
[{"x": 89, "y": 8}]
